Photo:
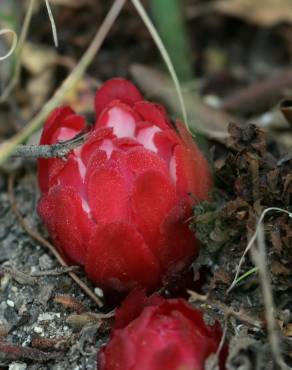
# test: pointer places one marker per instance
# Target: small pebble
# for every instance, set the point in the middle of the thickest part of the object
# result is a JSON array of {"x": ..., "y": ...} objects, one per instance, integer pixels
[
  {"x": 10, "y": 303},
  {"x": 3, "y": 306},
  {"x": 212, "y": 100},
  {"x": 27, "y": 341},
  {"x": 98, "y": 292},
  {"x": 14, "y": 289},
  {"x": 17, "y": 366},
  {"x": 47, "y": 316},
  {"x": 4, "y": 282},
  {"x": 46, "y": 262},
  {"x": 22, "y": 309},
  {"x": 38, "y": 329},
  {"x": 33, "y": 269}
]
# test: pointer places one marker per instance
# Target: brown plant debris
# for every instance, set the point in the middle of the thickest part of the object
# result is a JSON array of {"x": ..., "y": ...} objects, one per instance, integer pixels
[{"x": 250, "y": 178}]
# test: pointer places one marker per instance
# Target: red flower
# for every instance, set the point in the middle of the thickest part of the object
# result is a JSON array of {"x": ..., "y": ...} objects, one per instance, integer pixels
[
  {"x": 167, "y": 334},
  {"x": 118, "y": 205}
]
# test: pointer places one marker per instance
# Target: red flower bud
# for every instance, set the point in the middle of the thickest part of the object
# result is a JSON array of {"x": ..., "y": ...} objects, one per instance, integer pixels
[
  {"x": 118, "y": 205},
  {"x": 167, "y": 334}
]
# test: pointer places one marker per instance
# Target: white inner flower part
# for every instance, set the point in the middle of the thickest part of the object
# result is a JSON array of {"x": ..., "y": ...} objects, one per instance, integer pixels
[
  {"x": 172, "y": 169},
  {"x": 122, "y": 122},
  {"x": 81, "y": 167},
  {"x": 107, "y": 146},
  {"x": 66, "y": 133},
  {"x": 146, "y": 137},
  {"x": 85, "y": 206}
]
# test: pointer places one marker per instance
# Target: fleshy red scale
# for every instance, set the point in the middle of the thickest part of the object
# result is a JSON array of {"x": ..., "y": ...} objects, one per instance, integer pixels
[
  {"x": 112, "y": 256},
  {"x": 151, "y": 113},
  {"x": 97, "y": 160},
  {"x": 193, "y": 177},
  {"x": 153, "y": 196},
  {"x": 61, "y": 117},
  {"x": 126, "y": 143},
  {"x": 108, "y": 196},
  {"x": 177, "y": 245},
  {"x": 69, "y": 175},
  {"x": 140, "y": 160},
  {"x": 56, "y": 120},
  {"x": 95, "y": 139},
  {"x": 68, "y": 223},
  {"x": 116, "y": 89}
]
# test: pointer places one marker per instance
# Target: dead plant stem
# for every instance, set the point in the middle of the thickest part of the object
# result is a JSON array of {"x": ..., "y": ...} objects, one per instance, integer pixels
[
  {"x": 5, "y": 31},
  {"x": 260, "y": 258},
  {"x": 58, "y": 150},
  {"x": 18, "y": 50},
  {"x": 53, "y": 24}
]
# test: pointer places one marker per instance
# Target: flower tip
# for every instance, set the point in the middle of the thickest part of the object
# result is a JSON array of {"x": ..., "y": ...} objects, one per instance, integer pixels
[{"x": 116, "y": 89}]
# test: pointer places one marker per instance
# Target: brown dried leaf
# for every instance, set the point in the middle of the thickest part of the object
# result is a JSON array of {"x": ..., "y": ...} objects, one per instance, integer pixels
[
  {"x": 10, "y": 351},
  {"x": 276, "y": 239},
  {"x": 249, "y": 137},
  {"x": 203, "y": 119},
  {"x": 69, "y": 302},
  {"x": 262, "y": 12},
  {"x": 287, "y": 330},
  {"x": 222, "y": 276},
  {"x": 37, "y": 58},
  {"x": 80, "y": 321},
  {"x": 4, "y": 330},
  {"x": 260, "y": 96},
  {"x": 286, "y": 109},
  {"x": 278, "y": 268},
  {"x": 87, "y": 319},
  {"x": 50, "y": 344},
  {"x": 72, "y": 3}
]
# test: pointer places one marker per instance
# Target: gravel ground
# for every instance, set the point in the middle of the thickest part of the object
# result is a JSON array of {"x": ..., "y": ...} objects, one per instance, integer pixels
[{"x": 44, "y": 333}]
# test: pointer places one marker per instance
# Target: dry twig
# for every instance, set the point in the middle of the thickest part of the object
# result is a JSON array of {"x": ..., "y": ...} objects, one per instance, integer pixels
[
  {"x": 53, "y": 24},
  {"x": 240, "y": 315},
  {"x": 59, "y": 150},
  {"x": 56, "y": 272},
  {"x": 165, "y": 56},
  {"x": 14, "y": 43},
  {"x": 260, "y": 257}
]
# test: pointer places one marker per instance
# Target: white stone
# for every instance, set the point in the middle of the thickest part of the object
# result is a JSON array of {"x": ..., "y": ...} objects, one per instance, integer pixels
[
  {"x": 98, "y": 292},
  {"x": 10, "y": 303},
  {"x": 47, "y": 316},
  {"x": 17, "y": 366},
  {"x": 38, "y": 329}
]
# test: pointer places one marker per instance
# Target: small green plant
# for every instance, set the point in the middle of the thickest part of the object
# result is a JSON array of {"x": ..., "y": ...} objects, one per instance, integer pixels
[{"x": 168, "y": 15}]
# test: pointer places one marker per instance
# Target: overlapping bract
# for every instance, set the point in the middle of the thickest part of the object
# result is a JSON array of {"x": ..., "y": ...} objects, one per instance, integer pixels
[
  {"x": 156, "y": 333},
  {"x": 118, "y": 205}
]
